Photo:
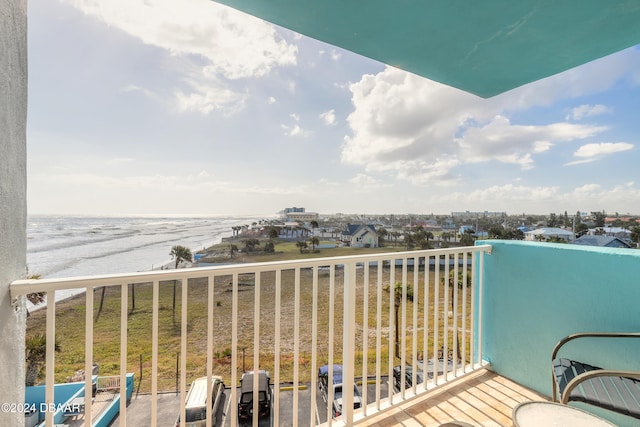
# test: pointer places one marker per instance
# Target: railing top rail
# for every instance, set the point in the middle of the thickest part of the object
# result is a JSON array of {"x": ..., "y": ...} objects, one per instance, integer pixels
[{"x": 26, "y": 286}]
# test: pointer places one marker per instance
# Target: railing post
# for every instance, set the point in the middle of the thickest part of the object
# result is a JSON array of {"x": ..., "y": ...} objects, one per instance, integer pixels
[
  {"x": 348, "y": 342},
  {"x": 50, "y": 356}
]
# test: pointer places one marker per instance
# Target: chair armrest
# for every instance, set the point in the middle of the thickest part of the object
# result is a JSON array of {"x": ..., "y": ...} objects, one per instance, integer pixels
[
  {"x": 594, "y": 374},
  {"x": 572, "y": 337}
]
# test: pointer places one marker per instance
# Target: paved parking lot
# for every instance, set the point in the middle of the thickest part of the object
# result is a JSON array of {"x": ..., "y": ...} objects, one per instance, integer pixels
[{"x": 139, "y": 411}]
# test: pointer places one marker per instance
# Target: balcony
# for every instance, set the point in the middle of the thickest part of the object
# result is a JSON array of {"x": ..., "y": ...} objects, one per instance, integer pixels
[{"x": 481, "y": 320}]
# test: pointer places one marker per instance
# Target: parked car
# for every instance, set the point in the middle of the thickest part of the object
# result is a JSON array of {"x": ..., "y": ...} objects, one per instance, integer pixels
[
  {"x": 196, "y": 402},
  {"x": 245, "y": 404},
  {"x": 408, "y": 377},
  {"x": 420, "y": 373},
  {"x": 325, "y": 384}
]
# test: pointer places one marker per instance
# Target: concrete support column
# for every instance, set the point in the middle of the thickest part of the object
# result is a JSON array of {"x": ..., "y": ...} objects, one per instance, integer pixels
[{"x": 13, "y": 203}]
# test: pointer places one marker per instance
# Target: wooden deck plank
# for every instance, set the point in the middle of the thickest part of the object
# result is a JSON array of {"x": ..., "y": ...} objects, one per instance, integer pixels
[{"x": 482, "y": 399}]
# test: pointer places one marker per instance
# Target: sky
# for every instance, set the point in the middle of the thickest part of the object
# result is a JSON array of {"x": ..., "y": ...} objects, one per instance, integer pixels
[{"x": 156, "y": 107}]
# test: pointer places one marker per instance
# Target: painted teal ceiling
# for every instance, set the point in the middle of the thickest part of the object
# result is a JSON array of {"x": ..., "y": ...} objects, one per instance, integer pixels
[{"x": 485, "y": 47}]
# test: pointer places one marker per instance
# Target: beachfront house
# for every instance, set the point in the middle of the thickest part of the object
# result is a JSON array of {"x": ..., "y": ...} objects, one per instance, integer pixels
[
  {"x": 360, "y": 236},
  {"x": 485, "y": 48}
]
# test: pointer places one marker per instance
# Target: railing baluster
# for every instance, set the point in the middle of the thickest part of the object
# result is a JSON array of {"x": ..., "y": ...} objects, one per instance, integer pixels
[
  {"x": 425, "y": 315},
  {"x": 124, "y": 306},
  {"x": 403, "y": 327},
  {"x": 348, "y": 342},
  {"x": 436, "y": 318},
  {"x": 414, "y": 348},
  {"x": 472, "y": 344},
  {"x": 365, "y": 336},
  {"x": 392, "y": 337},
  {"x": 480, "y": 302},
  {"x": 465, "y": 337},
  {"x": 296, "y": 345},
  {"x": 50, "y": 345},
  {"x": 234, "y": 348},
  {"x": 256, "y": 344},
  {"x": 154, "y": 352},
  {"x": 332, "y": 298},
  {"x": 314, "y": 348},
  {"x": 276, "y": 357},
  {"x": 209, "y": 363},
  {"x": 88, "y": 356},
  {"x": 456, "y": 335},
  {"x": 445, "y": 312},
  {"x": 379, "y": 334}
]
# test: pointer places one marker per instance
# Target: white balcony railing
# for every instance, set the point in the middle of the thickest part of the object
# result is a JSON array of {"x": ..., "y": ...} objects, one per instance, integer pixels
[{"x": 294, "y": 317}]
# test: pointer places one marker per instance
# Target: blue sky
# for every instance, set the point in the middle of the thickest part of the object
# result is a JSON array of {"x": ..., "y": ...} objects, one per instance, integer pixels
[{"x": 156, "y": 107}]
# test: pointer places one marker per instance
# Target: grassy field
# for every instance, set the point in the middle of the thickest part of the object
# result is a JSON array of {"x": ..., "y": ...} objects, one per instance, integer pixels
[{"x": 70, "y": 325}]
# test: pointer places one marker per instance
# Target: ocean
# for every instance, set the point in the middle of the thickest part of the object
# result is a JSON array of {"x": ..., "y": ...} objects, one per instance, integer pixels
[{"x": 68, "y": 246}]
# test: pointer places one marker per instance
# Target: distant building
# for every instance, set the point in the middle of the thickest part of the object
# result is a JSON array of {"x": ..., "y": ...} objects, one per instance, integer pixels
[
  {"x": 619, "y": 232},
  {"x": 485, "y": 214},
  {"x": 360, "y": 236},
  {"x": 298, "y": 214},
  {"x": 292, "y": 210},
  {"x": 302, "y": 216},
  {"x": 548, "y": 233}
]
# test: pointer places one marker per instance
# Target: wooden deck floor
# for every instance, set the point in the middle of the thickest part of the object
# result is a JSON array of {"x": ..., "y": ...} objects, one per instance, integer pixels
[{"x": 483, "y": 399}]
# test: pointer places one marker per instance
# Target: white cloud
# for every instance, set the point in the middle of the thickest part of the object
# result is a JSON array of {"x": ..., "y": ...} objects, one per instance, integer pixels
[
  {"x": 329, "y": 118},
  {"x": 335, "y": 55},
  {"x": 591, "y": 152},
  {"x": 585, "y": 110},
  {"x": 295, "y": 116},
  {"x": 236, "y": 45},
  {"x": 207, "y": 96},
  {"x": 420, "y": 130},
  {"x": 207, "y": 42},
  {"x": 502, "y": 141},
  {"x": 294, "y": 131},
  {"x": 271, "y": 100},
  {"x": 603, "y": 148}
]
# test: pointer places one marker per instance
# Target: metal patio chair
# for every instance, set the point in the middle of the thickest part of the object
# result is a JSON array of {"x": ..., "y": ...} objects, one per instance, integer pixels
[{"x": 615, "y": 390}]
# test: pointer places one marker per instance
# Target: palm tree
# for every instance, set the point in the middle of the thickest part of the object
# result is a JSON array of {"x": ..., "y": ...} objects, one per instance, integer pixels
[
  {"x": 301, "y": 244},
  {"x": 461, "y": 284},
  {"x": 179, "y": 253},
  {"x": 383, "y": 233},
  {"x": 397, "y": 290},
  {"x": 232, "y": 250},
  {"x": 35, "y": 356},
  {"x": 314, "y": 241},
  {"x": 273, "y": 232}
]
